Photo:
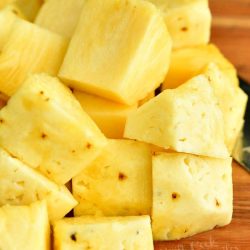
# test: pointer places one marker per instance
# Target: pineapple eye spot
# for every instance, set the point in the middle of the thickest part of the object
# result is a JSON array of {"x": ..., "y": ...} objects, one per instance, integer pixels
[
  {"x": 186, "y": 230},
  {"x": 73, "y": 237},
  {"x": 47, "y": 99},
  {"x": 88, "y": 146},
  {"x": 184, "y": 29},
  {"x": 122, "y": 176},
  {"x": 73, "y": 151},
  {"x": 41, "y": 92},
  {"x": 1, "y": 120},
  {"x": 217, "y": 203},
  {"x": 43, "y": 135},
  {"x": 175, "y": 196}
]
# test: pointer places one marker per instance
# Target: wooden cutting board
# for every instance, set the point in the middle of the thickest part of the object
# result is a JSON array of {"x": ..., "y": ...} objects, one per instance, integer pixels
[{"x": 231, "y": 32}]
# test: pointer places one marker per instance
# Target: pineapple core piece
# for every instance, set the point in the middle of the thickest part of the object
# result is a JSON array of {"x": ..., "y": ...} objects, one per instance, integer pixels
[
  {"x": 29, "y": 49},
  {"x": 25, "y": 227},
  {"x": 232, "y": 101},
  {"x": 60, "y": 16},
  {"x": 187, "y": 119},
  {"x": 124, "y": 169},
  {"x": 191, "y": 194},
  {"x": 109, "y": 116},
  {"x": 22, "y": 185},
  {"x": 106, "y": 233},
  {"x": 123, "y": 55},
  {"x": 189, "y": 62},
  {"x": 44, "y": 126},
  {"x": 188, "y": 21}
]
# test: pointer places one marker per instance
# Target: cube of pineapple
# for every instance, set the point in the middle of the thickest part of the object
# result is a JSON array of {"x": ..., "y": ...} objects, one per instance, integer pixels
[
  {"x": 191, "y": 194},
  {"x": 186, "y": 119},
  {"x": 30, "y": 8},
  {"x": 22, "y": 185},
  {"x": 188, "y": 21},
  {"x": 109, "y": 116},
  {"x": 232, "y": 101},
  {"x": 25, "y": 227},
  {"x": 197, "y": 59},
  {"x": 29, "y": 49},
  {"x": 7, "y": 18},
  {"x": 104, "y": 233},
  {"x": 60, "y": 16},
  {"x": 123, "y": 55},
  {"x": 124, "y": 169},
  {"x": 45, "y": 127}
]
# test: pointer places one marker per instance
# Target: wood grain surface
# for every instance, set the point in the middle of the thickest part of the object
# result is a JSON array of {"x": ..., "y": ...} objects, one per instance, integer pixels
[{"x": 231, "y": 32}]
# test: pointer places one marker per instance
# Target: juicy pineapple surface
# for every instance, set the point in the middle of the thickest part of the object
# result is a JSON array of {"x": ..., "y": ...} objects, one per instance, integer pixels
[
  {"x": 109, "y": 116},
  {"x": 44, "y": 126},
  {"x": 232, "y": 101},
  {"x": 188, "y": 21},
  {"x": 128, "y": 233},
  {"x": 29, "y": 49},
  {"x": 126, "y": 50},
  {"x": 189, "y": 62},
  {"x": 60, "y": 16},
  {"x": 117, "y": 183},
  {"x": 191, "y": 194},
  {"x": 22, "y": 185},
  {"x": 25, "y": 227},
  {"x": 186, "y": 119}
]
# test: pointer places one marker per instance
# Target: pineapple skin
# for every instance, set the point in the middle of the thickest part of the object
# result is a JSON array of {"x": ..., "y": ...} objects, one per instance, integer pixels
[
  {"x": 197, "y": 58},
  {"x": 91, "y": 232},
  {"x": 191, "y": 194},
  {"x": 22, "y": 185},
  {"x": 29, "y": 49},
  {"x": 45, "y": 127},
  {"x": 25, "y": 227},
  {"x": 127, "y": 183},
  {"x": 232, "y": 101},
  {"x": 109, "y": 116},
  {"x": 60, "y": 16},
  {"x": 188, "y": 21},
  {"x": 186, "y": 119},
  {"x": 126, "y": 65}
]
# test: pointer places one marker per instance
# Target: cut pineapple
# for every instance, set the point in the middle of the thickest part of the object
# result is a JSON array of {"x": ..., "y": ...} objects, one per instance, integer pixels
[
  {"x": 7, "y": 18},
  {"x": 187, "y": 119},
  {"x": 60, "y": 16},
  {"x": 130, "y": 233},
  {"x": 109, "y": 116},
  {"x": 117, "y": 183},
  {"x": 29, "y": 49},
  {"x": 232, "y": 101},
  {"x": 189, "y": 62},
  {"x": 191, "y": 194},
  {"x": 25, "y": 227},
  {"x": 22, "y": 185},
  {"x": 125, "y": 53},
  {"x": 45, "y": 127},
  {"x": 188, "y": 21}
]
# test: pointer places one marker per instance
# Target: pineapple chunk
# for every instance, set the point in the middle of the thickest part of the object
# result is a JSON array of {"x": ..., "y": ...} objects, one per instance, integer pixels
[
  {"x": 30, "y": 8},
  {"x": 60, "y": 16},
  {"x": 22, "y": 185},
  {"x": 125, "y": 53},
  {"x": 109, "y": 116},
  {"x": 25, "y": 227},
  {"x": 232, "y": 101},
  {"x": 7, "y": 18},
  {"x": 113, "y": 233},
  {"x": 29, "y": 49},
  {"x": 44, "y": 126},
  {"x": 188, "y": 21},
  {"x": 191, "y": 194},
  {"x": 189, "y": 62},
  {"x": 124, "y": 169},
  {"x": 186, "y": 119}
]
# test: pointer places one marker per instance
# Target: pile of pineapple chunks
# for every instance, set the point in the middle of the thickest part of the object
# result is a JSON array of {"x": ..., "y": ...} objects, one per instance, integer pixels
[{"x": 81, "y": 127}]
